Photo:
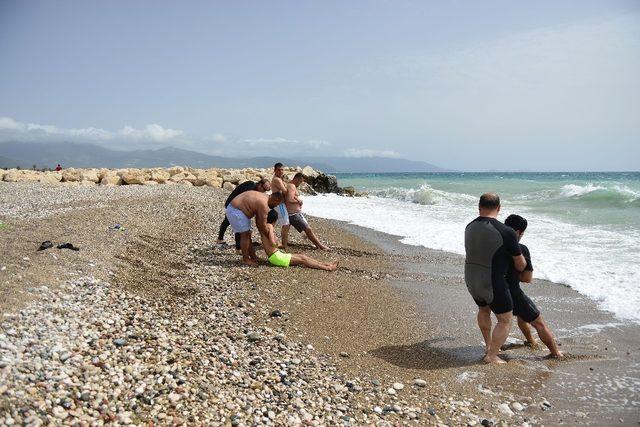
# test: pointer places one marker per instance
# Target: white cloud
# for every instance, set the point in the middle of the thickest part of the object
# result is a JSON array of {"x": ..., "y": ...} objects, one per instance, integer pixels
[
  {"x": 12, "y": 130},
  {"x": 152, "y": 132},
  {"x": 365, "y": 152}
]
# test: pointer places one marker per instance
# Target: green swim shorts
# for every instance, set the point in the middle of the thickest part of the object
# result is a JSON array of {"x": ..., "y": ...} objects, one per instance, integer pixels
[{"x": 279, "y": 258}]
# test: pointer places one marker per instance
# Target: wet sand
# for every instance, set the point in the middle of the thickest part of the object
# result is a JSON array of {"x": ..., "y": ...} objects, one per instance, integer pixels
[{"x": 597, "y": 383}]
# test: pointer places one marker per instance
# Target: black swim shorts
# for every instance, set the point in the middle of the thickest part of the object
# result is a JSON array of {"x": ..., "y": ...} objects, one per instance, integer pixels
[
  {"x": 502, "y": 301},
  {"x": 524, "y": 308}
]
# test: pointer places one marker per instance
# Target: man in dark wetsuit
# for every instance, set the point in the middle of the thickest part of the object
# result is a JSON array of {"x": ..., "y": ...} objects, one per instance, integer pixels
[
  {"x": 262, "y": 186},
  {"x": 523, "y": 307},
  {"x": 490, "y": 246}
]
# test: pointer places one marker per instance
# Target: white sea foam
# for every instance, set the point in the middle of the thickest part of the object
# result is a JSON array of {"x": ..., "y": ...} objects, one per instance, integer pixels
[
  {"x": 598, "y": 263},
  {"x": 573, "y": 190}
]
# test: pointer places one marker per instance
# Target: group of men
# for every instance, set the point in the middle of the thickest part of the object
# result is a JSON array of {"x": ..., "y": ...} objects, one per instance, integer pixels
[
  {"x": 282, "y": 207},
  {"x": 495, "y": 265}
]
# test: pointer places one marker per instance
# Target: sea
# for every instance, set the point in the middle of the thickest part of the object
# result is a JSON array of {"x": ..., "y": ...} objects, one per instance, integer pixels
[{"x": 584, "y": 228}]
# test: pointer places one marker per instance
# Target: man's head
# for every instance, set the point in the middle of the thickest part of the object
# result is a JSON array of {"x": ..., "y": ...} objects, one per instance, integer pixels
[
  {"x": 297, "y": 179},
  {"x": 518, "y": 223},
  {"x": 278, "y": 170},
  {"x": 272, "y": 216},
  {"x": 275, "y": 199},
  {"x": 489, "y": 205},
  {"x": 263, "y": 185}
]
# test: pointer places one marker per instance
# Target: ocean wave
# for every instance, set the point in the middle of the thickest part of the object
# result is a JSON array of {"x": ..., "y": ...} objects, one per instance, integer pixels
[
  {"x": 599, "y": 194},
  {"x": 424, "y": 195}
]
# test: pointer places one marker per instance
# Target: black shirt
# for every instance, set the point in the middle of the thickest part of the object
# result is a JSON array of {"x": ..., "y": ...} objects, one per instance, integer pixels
[{"x": 245, "y": 186}]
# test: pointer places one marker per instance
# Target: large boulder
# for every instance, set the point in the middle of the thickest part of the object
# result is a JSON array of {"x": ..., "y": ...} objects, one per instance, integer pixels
[
  {"x": 133, "y": 176},
  {"x": 15, "y": 175},
  {"x": 307, "y": 189},
  {"x": 309, "y": 172},
  {"x": 111, "y": 178},
  {"x": 72, "y": 175},
  {"x": 150, "y": 183},
  {"x": 90, "y": 175},
  {"x": 2, "y": 172},
  {"x": 213, "y": 181},
  {"x": 228, "y": 186},
  {"x": 50, "y": 177},
  {"x": 174, "y": 170},
  {"x": 160, "y": 176},
  {"x": 234, "y": 178},
  {"x": 183, "y": 176},
  {"x": 325, "y": 184}
]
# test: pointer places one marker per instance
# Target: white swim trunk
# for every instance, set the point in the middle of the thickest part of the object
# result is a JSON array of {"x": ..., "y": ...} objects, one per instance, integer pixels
[
  {"x": 238, "y": 220},
  {"x": 283, "y": 215}
]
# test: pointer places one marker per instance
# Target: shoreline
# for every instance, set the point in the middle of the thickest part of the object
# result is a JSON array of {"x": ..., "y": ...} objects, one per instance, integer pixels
[
  {"x": 192, "y": 318},
  {"x": 600, "y": 378}
]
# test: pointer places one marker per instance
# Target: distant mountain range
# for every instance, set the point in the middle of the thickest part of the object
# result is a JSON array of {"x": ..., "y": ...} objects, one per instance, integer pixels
[{"x": 48, "y": 155}]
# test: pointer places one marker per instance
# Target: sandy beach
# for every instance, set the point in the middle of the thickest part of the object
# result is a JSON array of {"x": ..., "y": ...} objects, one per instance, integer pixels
[{"x": 151, "y": 322}]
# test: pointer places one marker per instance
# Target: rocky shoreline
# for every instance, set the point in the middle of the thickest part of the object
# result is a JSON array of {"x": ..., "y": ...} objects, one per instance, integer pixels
[
  {"x": 152, "y": 323},
  {"x": 227, "y": 179}
]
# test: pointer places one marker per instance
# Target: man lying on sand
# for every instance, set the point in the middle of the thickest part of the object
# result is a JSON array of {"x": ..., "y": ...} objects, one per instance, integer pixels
[
  {"x": 262, "y": 186},
  {"x": 490, "y": 247},
  {"x": 294, "y": 208},
  {"x": 278, "y": 184},
  {"x": 523, "y": 307},
  {"x": 282, "y": 259},
  {"x": 239, "y": 213}
]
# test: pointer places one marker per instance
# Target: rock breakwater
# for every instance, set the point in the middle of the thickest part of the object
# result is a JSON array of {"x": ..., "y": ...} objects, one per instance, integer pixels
[{"x": 228, "y": 179}]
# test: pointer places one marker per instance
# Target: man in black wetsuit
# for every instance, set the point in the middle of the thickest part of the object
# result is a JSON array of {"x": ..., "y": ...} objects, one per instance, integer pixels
[
  {"x": 490, "y": 246},
  {"x": 523, "y": 307},
  {"x": 262, "y": 186}
]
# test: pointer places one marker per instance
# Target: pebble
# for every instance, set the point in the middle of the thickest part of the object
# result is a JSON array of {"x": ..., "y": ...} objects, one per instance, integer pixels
[
  {"x": 392, "y": 391},
  {"x": 344, "y": 354},
  {"x": 119, "y": 342},
  {"x": 398, "y": 386},
  {"x": 504, "y": 408},
  {"x": 517, "y": 406},
  {"x": 276, "y": 313},
  {"x": 419, "y": 383}
]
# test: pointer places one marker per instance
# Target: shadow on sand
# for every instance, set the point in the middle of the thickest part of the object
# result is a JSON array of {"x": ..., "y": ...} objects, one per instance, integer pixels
[{"x": 428, "y": 355}]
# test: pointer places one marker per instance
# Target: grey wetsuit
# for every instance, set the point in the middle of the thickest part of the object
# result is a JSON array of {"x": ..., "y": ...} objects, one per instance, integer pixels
[{"x": 490, "y": 246}]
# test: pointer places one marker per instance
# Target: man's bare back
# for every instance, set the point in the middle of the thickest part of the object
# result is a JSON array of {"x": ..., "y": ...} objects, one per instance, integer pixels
[{"x": 252, "y": 203}]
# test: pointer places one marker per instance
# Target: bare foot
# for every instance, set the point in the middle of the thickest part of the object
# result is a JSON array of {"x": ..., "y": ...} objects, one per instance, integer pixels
[
  {"x": 493, "y": 359},
  {"x": 249, "y": 262},
  {"x": 323, "y": 248},
  {"x": 332, "y": 266},
  {"x": 532, "y": 344},
  {"x": 558, "y": 355}
]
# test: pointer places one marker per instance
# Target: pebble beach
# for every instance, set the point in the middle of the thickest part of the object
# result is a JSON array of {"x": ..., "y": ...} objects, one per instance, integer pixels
[{"x": 152, "y": 323}]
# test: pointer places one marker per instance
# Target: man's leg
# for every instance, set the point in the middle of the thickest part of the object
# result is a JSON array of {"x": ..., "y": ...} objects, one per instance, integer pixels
[
  {"x": 223, "y": 229},
  {"x": 546, "y": 336},
  {"x": 484, "y": 323},
  {"x": 312, "y": 236},
  {"x": 526, "y": 331},
  {"x": 245, "y": 246},
  {"x": 285, "y": 237},
  {"x": 298, "y": 259},
  {"x": 498, "y": 337},
  {"x": 237, "y": 237}
]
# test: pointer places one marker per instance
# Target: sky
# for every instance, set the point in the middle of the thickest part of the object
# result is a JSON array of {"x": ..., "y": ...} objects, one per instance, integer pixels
[{"x": 466, "y": 85}]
